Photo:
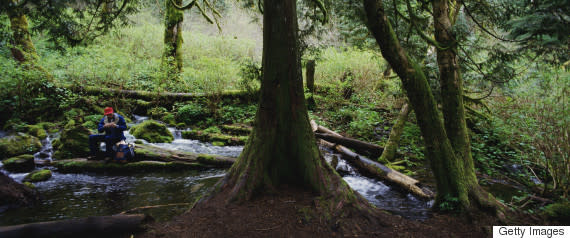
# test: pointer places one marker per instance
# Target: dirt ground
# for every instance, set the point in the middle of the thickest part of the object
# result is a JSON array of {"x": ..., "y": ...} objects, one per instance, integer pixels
[{"x": 285, "y": 215}]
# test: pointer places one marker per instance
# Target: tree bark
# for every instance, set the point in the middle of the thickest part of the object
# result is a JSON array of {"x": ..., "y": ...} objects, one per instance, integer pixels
[
  {"x": 282, "y": 148},
  {"x": 173, "y": 38},
  {"x": 22, "y": 47},
  {"x": 81, "y": 227},
  {"x": 452, "y": 101},
  {"x": 394, "y": 139},
  {"x": 446, "y": 168}
]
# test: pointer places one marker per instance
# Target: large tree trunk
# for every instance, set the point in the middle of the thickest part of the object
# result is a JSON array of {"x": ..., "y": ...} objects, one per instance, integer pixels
[
  {"x": 172, "y": 58},
  {"x": 452, "y": 100},
  {"x": 282, "y": 148},
  {"x": 394, "y": 139},
  {"x": 452, "y": 182},
  {"x": 22, "y": 48}
]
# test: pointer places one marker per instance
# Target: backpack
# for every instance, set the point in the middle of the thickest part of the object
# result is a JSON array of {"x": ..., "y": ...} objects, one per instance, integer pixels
[{"x": 125, "y": 152}]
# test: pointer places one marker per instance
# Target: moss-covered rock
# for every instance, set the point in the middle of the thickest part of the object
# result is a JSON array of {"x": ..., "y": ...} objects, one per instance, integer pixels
[
  {"x": 558, "y": 211},
  {"x": 37, "y": 131},
  {"x": 19, "y": 144},
  {"x": 38, "y": 176},
  {"x": 169, "y": 119},
  {"x": 21, "y": 163},
  {"x": 152, "y": 131},
  {"x": 73, "y": 143},
  {"x": 50, "y": 127}
]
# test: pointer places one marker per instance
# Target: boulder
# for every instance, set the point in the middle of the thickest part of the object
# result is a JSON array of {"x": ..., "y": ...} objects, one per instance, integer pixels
[
  {"x": 15, "y": 194},
  {"x": 152, "y": 131},
  {"x": 21, "y": 163},
  {"x": 37, "y": 131},
  {"x": 73, "y": 143},
  {"x": 38, "y": 176},
  {"x": 19, "y": 144}
]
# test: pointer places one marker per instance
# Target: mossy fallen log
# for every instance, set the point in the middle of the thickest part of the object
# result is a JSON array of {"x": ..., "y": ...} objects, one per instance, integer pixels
[
  {"x": 147, "y": 95},
  {"x": 84, "y": 165},
  {"x": 148, "y": 158},
  {"x": 361, "y": 147},
  {"x": 375, "y": 169},
  {"x": 116, "y": 226},
  {"x": 220, "y": 139}
]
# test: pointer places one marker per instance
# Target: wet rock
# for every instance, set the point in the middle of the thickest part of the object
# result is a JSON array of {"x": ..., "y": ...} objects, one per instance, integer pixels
[
  {"x": 15, "y": 194},
  {"x": 19, "y": 144},
  {"x": 73, "y": 143},
  {"x": 38, "y": 176},
  {"x": 21, "y": 163},
  {"x": 152, "y": 131},
  {"x": 43, "y": 155}
]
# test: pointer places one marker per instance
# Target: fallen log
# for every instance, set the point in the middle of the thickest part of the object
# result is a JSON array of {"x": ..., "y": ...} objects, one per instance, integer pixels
[
  {"x": 150, "y": 152},
  {"x": 90, "y": 227},
  {"x": 360, "y": 146},
  {"x": 147, "y": 158},
  {"x": 147, "y": 95},
  {"x": 375, "y": 169}
]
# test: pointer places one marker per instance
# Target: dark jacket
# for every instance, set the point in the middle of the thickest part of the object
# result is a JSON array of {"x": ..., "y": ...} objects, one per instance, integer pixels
[{"x": 113, "y": 133}]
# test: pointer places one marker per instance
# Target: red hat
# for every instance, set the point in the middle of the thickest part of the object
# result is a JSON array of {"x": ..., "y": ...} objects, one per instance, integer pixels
[{"x": 108, "y": 110}]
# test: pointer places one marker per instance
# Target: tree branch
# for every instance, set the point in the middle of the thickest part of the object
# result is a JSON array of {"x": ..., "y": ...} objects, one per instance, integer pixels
[{"x": 189, "y": 6}]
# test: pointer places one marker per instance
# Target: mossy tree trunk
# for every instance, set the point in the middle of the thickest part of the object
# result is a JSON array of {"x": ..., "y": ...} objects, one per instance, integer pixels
[
  {"x": 394, "y": 139},
  {"x": 452, "y": 177},
  {"x": 172, "y": 58},
  {"x": 22, "y": 47},
  {"x": 452, "y": 99},
  {"x": 282, "y": 148}
]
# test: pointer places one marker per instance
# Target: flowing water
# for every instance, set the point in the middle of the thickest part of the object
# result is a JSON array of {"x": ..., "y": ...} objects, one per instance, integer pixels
[{"x": 80, "y": 195}]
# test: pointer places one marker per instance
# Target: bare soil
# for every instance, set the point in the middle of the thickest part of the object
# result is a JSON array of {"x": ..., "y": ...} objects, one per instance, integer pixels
[{"x": 292, "y": 213}]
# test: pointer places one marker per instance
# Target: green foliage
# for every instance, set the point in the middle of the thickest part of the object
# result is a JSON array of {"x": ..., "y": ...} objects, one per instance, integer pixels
[
  {"x": 251, "y": 74},
  {"x": 191, "y": 113},
  {"x": 449, "y": 204},
  {"x": 559, "y": 211},
  {"x": 27, "y": 93}
]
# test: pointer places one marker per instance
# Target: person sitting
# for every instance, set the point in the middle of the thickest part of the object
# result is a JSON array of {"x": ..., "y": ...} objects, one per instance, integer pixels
[{"x": 113, "y": 125}]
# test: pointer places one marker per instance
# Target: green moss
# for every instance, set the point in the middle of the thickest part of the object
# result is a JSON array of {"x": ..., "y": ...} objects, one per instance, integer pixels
[
  {"x": 218, "y": 143},
  {"x": 214, "y": 137},
  {"x": 559, "y": 211},
  {"x": 19, "y": 144},
  {"x": 153, "y": 132},
  {"x": 29, "y": 185},
  {"x": 37, "y": 131},
  {"x": 81, "y": 165},
  {"x": 21, "y": 163},
  {"x": 73, "y": 142},
  {"x": 236, "y": 129},
  {"x": 38, "y": 176},
  {"x": 169, "y": 119}
]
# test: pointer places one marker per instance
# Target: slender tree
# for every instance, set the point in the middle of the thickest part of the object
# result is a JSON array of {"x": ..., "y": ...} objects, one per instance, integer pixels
[
  {"x": 172, "y": 57},
  {"x": 454, "y": 173}
]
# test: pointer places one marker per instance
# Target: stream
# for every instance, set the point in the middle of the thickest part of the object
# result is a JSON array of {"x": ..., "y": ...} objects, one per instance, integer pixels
[{"x": 66, "y": 196}]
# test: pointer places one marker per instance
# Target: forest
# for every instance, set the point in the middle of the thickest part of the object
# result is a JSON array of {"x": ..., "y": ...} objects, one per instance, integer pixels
[{"x": 283, "y": 118}]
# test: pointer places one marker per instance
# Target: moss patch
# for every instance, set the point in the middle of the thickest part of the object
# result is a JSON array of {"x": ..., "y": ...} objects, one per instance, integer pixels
[
  {"x": 153, "y": 132},
  {"x": 216, "y": 138},
  {"x": 73, "y": 143},
  {"x": 37, "y": 131},
  {"x": 38, "y": 176},
  {"x": 236, "y": 130},
  {"x": 21, "y": 163},
  {"x": 558, "y": 211},
  {"x": 82, "y": 165},
  {"x": 19, "y": 144}
]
